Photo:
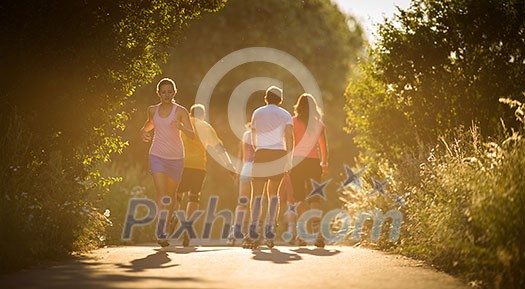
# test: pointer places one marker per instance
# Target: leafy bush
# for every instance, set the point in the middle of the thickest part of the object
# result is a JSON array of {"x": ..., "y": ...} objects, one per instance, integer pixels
[{"x": 45, "y": 212}]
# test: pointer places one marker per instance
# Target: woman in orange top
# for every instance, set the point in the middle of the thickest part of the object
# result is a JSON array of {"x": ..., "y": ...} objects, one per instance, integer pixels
[{"x": 310, "y": 156}]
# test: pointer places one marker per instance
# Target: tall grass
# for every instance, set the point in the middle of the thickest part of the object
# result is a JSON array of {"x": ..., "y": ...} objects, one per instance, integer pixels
[{"x": 466, "y": 214}]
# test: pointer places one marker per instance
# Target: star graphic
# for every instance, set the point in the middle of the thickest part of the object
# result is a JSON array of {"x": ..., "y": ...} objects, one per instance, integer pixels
[
  {"x": 352, "y": 178},
  {"x": 379, "y": 186},
  {"x": 318, "y": 189},
  {"x": 292, "y": 208}
]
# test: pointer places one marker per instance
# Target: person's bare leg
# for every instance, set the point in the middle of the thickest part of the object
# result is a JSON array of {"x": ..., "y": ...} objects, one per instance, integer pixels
[
  {"x": 165, "y": 187},
  {"x": 242, "y": 209},
  {"x": 191, "y": 207},
  {"x": 315, "y": 205},
  {"x": 287, "y": 199},
  {"x": 159, "y": 179},
  {"x": 273, "y": 207},
  {"x": 172, "y": 186},
  {"x": 256, "y": 207},
  {"x": 316, "y": 223},
  {"x": 176, "y": 206}
]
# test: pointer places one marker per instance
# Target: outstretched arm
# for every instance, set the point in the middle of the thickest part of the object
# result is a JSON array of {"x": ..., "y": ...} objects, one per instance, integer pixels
[
  {"x": 210, "y": 136},
  {"x": 224, "y": 157}
]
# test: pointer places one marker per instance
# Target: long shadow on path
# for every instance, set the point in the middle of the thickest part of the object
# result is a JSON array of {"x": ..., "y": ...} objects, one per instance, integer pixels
[
  {"x": 188, "y": 250},
  {"x": 275, "y": 256},
  {"x": 153, "y": 261},
  {"x": 317, "y": 252},
  {"x": 88, "y": 273}
]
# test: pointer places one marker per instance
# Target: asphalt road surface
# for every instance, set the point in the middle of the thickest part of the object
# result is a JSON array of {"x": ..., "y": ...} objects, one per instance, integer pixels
[{"x": 148, "y": 266}]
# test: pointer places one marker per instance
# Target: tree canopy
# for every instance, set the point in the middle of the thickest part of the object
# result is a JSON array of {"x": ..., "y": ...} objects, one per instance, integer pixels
[
  {"x": 438, "y": 65},
  {"x": 71, "y": 64}
]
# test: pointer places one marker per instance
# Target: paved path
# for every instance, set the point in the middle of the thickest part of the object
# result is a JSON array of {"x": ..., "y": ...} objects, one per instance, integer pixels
[{"x": 148, "y": 266}]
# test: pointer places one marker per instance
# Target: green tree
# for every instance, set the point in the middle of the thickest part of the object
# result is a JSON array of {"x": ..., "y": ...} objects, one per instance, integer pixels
[
  {"x": 438, "y": 65},
  {"x": 68, "y": 67}
]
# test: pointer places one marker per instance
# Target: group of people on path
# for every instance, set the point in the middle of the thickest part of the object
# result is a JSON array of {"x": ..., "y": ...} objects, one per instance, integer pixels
[{"x": 281, "y": 156}]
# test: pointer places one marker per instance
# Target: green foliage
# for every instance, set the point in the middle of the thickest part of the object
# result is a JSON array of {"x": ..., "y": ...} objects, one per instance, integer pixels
[
  {"x": 440, "y": 64},
  {"x": 465, "y": 214},
  {"x": 67, "y": 71},
  {"x": 438, "y": 67},
  {"x": 380, "y": 127}
]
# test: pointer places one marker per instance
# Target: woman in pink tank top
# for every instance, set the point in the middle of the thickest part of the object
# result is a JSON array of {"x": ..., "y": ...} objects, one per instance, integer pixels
[{"x": 166, "y": 154}]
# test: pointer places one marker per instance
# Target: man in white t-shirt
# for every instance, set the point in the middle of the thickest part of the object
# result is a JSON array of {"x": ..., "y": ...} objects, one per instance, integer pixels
[{"x": 272, "y": 138}]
